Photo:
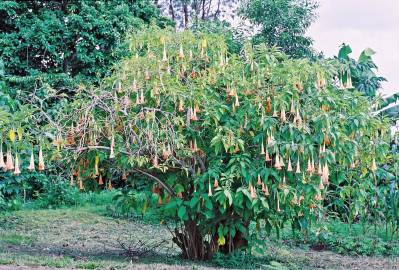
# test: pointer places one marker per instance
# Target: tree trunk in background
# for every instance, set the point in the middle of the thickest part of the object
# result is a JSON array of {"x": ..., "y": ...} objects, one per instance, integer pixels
[
  {"x": 217, "y": 12},
  {"x": 171, "y": 10},
  {"x": 203, "y": 10},
  {"x": 186, "y": 15}
]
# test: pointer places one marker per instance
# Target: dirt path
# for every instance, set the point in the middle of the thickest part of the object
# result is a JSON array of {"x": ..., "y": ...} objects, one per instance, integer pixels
[{"x": 85, "y": 239}]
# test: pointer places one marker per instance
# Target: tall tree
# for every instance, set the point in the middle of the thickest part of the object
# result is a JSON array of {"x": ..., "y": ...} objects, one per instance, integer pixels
[
  {"x": 282, "y": 23},
  {"x": 71, "y": 37},
  {"x": 188, "y": 12}
]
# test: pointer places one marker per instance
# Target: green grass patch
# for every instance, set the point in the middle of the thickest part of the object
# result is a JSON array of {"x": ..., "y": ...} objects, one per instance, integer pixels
[
  {"x": 37, "y": 260},
  {"x": 16, "y": 239},
  {"x": 5, "y": 261},
  {"x": 89, "y": 265},
  {"x": 58, "y": 262}
]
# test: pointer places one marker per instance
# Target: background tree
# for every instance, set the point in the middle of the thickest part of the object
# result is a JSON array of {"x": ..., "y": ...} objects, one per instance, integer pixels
[
  {"x": 55, "y": 41},
  {"x": 364, "y": 78},
  {"x": 362, "y": 70},
  {"x": 190, "y": 12},
  {"x": 282, "y": 23},
  {"x": 46, "y": 49}
]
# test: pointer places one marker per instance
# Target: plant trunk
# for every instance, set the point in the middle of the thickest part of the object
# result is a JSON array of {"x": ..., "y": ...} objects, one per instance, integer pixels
[
  {"x": 197, "y": 246},
  {"x": 192, "y": 243}
]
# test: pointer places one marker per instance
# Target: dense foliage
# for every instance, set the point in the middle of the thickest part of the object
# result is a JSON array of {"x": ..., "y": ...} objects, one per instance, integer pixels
[
  {"x": 16, "y": 145},
  {"x": 74, "y": 38},
  {"x": 46, "y": 49},
  {"x": 362, "y": 70},
  {"x": 225, "y": 139},
  {"x": 282, "y": 23}
]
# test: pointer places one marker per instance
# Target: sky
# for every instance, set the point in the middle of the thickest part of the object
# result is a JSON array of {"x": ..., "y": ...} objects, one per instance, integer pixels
[{"x": 361, "y": 24}]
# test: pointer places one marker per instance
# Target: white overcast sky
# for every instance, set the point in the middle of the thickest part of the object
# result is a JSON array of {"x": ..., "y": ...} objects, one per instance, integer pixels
[{"x": 361, "y": 24}]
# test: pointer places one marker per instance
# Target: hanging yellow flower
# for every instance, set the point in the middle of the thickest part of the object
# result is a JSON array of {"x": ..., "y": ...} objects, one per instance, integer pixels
[
  {"x": 209, "y": 189},
  {"x": 216, "y": 184},
  {"x": 112, "y": 154},
  {"x": 96, "y": 163},
  {"x": 289, "y": 167},
  {"x": 11, "y": 135},
  {"x": 2, "y": 163},
  {"x": 259, "y": 182},
  {"x": 298, "y": 167},
  {"x": 100, "y": 180},
  {"x": 373, "y": 165},
  {"x": 181, "y": 53},
  {"x": 9, "y": 161},
  {"x": 41, "y": 160},
  {"x": 17, "y": 171},
  {"x": 31, "y": 166}
]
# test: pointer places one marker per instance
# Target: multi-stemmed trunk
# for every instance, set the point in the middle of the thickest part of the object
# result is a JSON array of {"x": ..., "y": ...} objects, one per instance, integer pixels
[{"x": 196, "y": 245}]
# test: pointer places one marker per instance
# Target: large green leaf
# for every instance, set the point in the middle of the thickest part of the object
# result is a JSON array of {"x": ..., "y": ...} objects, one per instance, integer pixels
[
  {"x": 344, "y": 52},
  {"x": 366, "y": 55}
]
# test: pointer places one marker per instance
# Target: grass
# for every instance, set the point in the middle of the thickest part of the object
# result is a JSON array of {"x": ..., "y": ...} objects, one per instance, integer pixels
[
  {"x": 5, "y": 261},
  {"x": 89, "y": 265},
  {"x": 16, "y": 239},
  {"x": 337, "y": 236},
  {"x": 36, "y": 261},
  {"x": 85, "y": 236}
]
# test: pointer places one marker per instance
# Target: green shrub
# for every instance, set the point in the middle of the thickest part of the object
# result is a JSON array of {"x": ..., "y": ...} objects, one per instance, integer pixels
[
  {"x": 13, "y": 204},
  {"x": 57, "y": 194},
  {"x": 237, "y": 259},
  {"x": 271, "y": 134}
]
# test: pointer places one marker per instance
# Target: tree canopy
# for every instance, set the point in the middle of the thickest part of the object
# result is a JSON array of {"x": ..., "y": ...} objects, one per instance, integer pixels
[
  {"x": 282, "y": 23},
  {"x": 68, "y": 38}
]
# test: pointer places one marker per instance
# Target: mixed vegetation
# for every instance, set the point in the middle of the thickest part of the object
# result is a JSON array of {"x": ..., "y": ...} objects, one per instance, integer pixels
[{"x": 230, "y": 145}]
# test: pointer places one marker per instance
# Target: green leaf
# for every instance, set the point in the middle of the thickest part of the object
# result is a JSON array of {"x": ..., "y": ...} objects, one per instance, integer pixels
[
  {"x": 182, "y": 213},
  {"x": 208, "y": 204},
  {"x": 344, "y": 52},
  {"x": 179, "y": 188},
  {"x": 229, "y": 197},
  {"x": 193, "y": 202},
  {"x": 366, "y": 55}
]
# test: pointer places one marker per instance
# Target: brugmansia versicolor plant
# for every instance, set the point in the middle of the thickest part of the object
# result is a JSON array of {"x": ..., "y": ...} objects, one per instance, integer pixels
[{"x": 223, "y": 139}]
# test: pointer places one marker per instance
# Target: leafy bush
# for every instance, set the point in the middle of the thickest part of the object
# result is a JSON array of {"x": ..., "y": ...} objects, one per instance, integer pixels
[
  {"x": 222, "y": 140},
  {"x": 58, "y": 193},
  {"x": 13, "y": 204},
  {"x": 236, "y": 260}
]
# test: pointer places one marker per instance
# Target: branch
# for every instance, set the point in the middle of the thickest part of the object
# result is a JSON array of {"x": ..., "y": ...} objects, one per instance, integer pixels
[
  {"x": 201, "y": 163},
  {"x": 90, "y": 147},
  {"x": 168, "y": 189}
]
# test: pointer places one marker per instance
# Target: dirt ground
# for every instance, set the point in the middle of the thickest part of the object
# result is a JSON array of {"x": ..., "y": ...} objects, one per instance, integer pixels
[{"x": 85, "y": 239}]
